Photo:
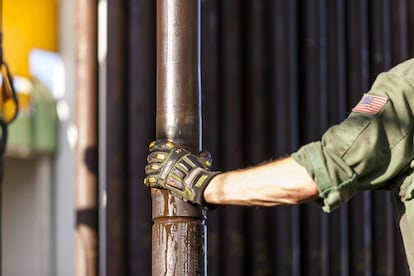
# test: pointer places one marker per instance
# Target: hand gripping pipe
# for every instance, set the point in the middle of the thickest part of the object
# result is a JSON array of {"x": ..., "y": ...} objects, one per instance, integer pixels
[{"x": 179, "y": 229}]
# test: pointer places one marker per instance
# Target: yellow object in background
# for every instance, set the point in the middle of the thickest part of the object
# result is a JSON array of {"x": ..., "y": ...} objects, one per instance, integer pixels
[
  {"x": 8, "y": 101},
  {"x": 27, "y": 24}
]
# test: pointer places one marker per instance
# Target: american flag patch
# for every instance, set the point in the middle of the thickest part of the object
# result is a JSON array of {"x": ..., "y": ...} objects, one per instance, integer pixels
[{"x": 370, "y": 104}]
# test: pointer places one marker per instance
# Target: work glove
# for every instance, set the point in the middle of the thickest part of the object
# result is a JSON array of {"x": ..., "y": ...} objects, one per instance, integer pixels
[{"x": 174, "y": 168}]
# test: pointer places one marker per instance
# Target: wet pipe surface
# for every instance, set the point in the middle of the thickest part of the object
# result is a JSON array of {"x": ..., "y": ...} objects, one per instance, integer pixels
[{"x": 178, "y": 236}]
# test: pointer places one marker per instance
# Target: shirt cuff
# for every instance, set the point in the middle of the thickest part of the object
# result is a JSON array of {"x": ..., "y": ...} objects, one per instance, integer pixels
[{"x": 336, "y": 181}]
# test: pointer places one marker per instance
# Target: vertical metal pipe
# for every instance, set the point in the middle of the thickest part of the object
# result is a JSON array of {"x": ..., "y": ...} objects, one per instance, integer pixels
[
  {"x": 116, "y": 224},
  {"x": 86, "y": 180},
  {"x": 232, "y": 129},
  {"x": 179, "y": 229},
  {"x": 141, "y": 109},
  {"x": 211, "y": 122}
]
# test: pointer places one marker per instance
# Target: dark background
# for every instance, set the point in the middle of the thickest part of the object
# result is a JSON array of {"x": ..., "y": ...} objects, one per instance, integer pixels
[{"x": 275, "y": 75}]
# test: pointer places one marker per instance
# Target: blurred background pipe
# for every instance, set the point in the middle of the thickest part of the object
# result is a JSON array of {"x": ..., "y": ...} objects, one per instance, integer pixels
[{"x": 86, "y": 170}]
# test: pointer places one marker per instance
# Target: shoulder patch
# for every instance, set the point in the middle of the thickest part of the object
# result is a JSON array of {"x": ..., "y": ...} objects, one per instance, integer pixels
[{"x": 370, "y": 104}]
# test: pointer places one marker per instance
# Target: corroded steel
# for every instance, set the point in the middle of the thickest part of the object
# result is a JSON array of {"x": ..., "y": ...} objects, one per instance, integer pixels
[{"x": 179, "y": 230}]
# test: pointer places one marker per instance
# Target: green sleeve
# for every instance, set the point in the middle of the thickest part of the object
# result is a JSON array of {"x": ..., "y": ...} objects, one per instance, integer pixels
[{"x": 367, "y": 150}]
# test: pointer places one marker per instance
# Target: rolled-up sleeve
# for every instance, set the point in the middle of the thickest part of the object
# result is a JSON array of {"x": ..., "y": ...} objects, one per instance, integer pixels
[{"x": 370, "y": 147}]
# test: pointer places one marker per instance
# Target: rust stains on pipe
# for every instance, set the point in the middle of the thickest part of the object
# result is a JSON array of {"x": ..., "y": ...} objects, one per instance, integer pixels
[
  {"x": 86, "y": 157},
  {"x": 179, "y": 229}
]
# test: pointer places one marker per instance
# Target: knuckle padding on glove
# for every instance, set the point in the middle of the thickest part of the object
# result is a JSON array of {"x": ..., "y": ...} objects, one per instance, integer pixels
[
  {"x": 187, "y": 175},
  {"x": 169, "y": 164},
  {"x": 193, "y": 176}
]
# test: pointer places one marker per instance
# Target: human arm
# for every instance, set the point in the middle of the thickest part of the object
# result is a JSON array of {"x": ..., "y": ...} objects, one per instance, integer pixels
[
  {"x": 188, "y": 176},
  {"x": 274, "y": 183},
  {"x": 366, "y": 151}
]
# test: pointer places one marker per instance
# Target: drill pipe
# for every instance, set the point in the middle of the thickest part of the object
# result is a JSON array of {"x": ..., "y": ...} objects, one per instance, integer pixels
[{"x": 179, "y": 229}]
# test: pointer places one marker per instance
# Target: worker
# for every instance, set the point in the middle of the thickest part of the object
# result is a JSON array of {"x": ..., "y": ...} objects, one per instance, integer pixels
[{"x": 373, "y": 148}]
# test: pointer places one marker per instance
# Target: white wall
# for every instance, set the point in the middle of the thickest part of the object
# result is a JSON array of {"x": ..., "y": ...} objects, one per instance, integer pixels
[
  {"x": 64, "y": 163},
  {"x": 27, "y": 235}
]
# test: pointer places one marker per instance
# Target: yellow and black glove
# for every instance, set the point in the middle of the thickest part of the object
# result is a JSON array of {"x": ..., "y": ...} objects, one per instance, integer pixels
[{"x": 173, "y": 168}]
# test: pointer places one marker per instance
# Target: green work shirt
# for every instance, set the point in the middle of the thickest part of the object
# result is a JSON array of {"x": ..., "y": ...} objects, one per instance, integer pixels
[{"x": 371, "y": 149}]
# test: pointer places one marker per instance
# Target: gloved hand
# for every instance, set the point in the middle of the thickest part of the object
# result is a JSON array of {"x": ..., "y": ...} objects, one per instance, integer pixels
[{"x": 173, "y": 168}]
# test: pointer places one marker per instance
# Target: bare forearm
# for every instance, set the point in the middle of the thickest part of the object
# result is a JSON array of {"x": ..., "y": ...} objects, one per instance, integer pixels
[{"x": 275, "y": 183}]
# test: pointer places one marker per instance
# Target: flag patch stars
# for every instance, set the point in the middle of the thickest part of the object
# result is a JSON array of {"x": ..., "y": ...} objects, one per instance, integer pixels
[{"x": 370, "y": 104}]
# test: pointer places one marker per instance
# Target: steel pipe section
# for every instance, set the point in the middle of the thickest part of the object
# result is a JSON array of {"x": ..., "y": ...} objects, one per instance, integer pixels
[{"x": 179, "y": 229}]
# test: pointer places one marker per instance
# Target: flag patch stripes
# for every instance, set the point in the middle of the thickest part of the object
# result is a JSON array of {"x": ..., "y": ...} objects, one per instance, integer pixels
[{"x": 370, "y": 104}]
